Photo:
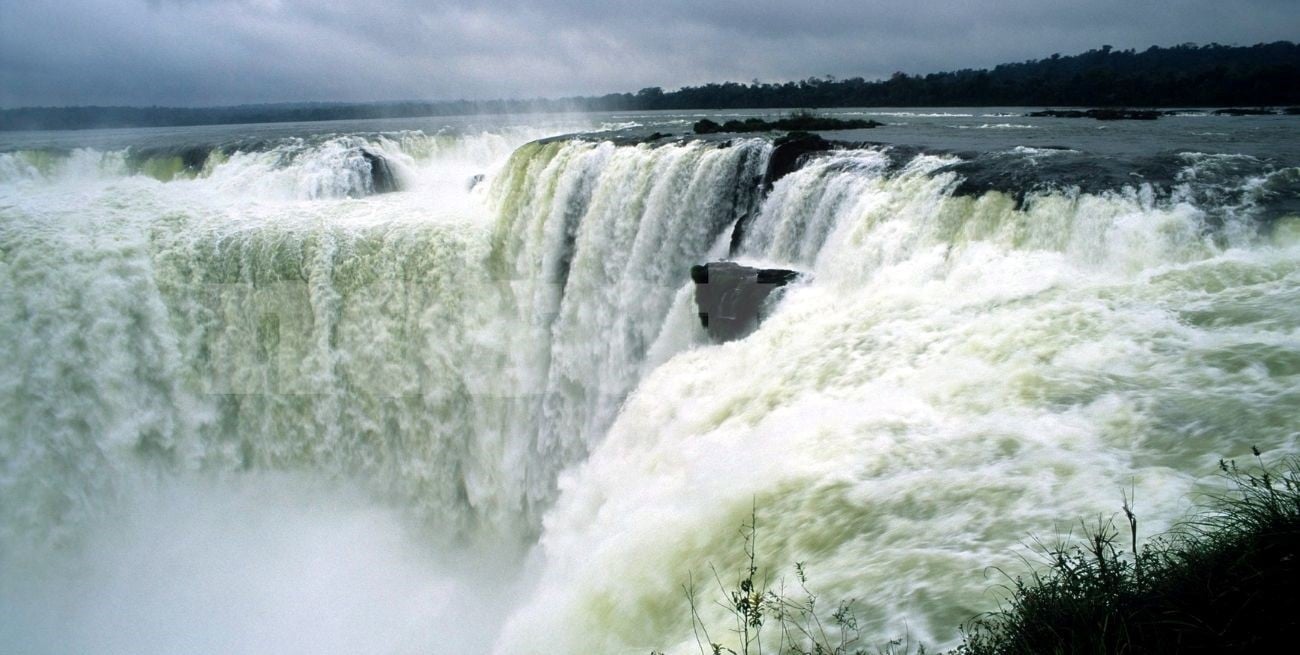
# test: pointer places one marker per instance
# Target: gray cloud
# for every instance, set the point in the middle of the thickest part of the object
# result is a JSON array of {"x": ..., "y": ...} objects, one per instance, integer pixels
[{"x": 204, "y": 52}]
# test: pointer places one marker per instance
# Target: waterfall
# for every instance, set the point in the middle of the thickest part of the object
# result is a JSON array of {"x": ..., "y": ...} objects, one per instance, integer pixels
[
  {"x": 459, "y": 368},
  {"x": 960, "y": 373},
  {"x": 509, "y": 376}
]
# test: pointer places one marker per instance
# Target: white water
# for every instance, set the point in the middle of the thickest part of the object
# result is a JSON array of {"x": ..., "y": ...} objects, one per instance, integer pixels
[
  {"x": 260, "y": 410},
  {"x": 960, "y": 375}
]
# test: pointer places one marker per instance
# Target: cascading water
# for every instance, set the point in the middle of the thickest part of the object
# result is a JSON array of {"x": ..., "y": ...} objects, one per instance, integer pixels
[
  {"x": 436, "y": 357},
  {"x": 343, "y": 417},
  {"x": 592, "y": 241},
  {"x": 960, "y": 374}
]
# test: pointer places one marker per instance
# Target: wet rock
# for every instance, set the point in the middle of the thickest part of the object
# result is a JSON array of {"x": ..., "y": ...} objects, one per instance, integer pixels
[
  {"x": 1278, "y": 196},
  {"x": 1019, "y": 174},
  {"x": 798, "y": 122},
  {"x": 1099, "y": 114},
  {"x": 158, "y": 161},
  {"x": 1123, "y": 114},
  {"x": 1244, "y": 111},
  {"x": 789, "y": 154},
  {"x": 473, "y": 182},
  {"x": 382, "y": 179},
  {"x": 706, "y": 126},
  {"x": 730, "y": 297},
  {"x": 195, "y": 157}
]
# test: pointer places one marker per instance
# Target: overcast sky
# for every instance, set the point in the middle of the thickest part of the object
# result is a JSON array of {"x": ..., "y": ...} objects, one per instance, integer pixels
[{"x": 214, "y": 52}]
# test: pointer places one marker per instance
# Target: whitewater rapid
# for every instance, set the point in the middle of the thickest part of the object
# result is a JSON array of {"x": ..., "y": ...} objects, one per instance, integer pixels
[{"x": 253, "y": 404}]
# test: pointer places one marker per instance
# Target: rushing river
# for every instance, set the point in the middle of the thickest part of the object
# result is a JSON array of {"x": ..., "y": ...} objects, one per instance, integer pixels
[{"x": 440, "y": 386}]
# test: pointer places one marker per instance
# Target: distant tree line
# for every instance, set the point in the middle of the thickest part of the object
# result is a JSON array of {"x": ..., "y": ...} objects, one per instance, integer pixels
[
  {"x": 1185, "y": 75},
  {"x": 1201, "y": 76}
]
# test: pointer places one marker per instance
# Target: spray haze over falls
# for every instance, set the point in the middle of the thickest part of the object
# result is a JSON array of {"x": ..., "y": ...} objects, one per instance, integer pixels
[{"x": 259, "y": 363}]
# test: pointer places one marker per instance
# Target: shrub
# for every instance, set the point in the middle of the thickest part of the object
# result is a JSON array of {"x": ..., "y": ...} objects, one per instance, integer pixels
[{"x": 1224, "y": 583}]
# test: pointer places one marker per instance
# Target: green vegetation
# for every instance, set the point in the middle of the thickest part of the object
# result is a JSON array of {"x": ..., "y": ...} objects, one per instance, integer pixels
[
  {"x": 1224, "y": 582},
  {"x": 1267, "y": 74},
  {"x": 794, "y": 617},
  {"x": 1186, "y": 75}
]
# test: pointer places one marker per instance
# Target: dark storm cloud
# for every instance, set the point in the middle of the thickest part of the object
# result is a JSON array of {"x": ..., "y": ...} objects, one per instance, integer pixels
[{"x": 203, "y": 52}]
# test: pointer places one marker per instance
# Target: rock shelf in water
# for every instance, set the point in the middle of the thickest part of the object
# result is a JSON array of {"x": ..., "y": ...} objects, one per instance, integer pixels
[
  {"x": 791, "y": 123},
  {"x": 730, "y": 296}
]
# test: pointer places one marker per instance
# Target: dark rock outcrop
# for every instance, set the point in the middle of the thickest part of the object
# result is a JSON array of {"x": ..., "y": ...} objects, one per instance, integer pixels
[
  {"x": 158, "y": 161},
  {"x": 1099, "y": 114},
  {"x": 730, "y": 297},
  {"x": 1019, "y": 175},
  {"x": 790, "y": 152},
  {"x": 382, "y": 179},
  {"x": 1244, "y": 111},
  {"x": 1262, "y": 189},
  {"x": 194, "y": 158},
  {"x": 788, "y": 155},
  {"x": 798, "y": 122}
]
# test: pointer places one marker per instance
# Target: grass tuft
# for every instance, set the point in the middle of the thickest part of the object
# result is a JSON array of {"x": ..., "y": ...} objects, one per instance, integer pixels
[
  {"x": 792, "y": 618},
  {"x": 1225, "y": 582}
]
